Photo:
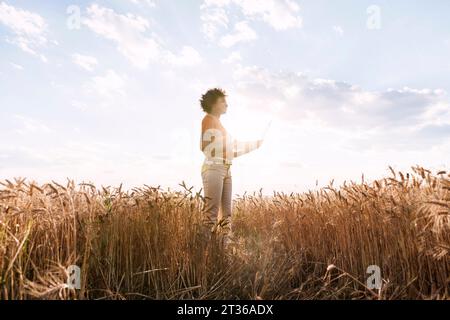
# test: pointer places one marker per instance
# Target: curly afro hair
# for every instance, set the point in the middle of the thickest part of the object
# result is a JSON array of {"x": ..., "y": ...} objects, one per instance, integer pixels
[{"x": 210, "y": 97}]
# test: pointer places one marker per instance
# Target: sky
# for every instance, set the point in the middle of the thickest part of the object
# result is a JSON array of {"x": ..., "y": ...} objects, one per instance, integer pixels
[{"x": 108, "y": 91}]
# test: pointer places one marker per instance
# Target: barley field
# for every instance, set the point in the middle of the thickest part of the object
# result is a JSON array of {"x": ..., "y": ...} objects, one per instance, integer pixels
[{"x": 147, "y": 243}]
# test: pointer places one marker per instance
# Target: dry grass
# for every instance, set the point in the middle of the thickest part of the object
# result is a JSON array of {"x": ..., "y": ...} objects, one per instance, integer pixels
[{"x": 150, "y": 243}]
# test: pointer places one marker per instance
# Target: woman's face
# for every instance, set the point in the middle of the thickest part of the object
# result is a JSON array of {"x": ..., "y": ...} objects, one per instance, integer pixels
[{"x": 221, "y": 106}]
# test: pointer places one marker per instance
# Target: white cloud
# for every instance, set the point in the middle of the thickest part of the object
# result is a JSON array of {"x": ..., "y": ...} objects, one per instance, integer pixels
[
  {"x": 29, "y": 125},
  {"x": 234, "y": 57},
  {"x": 338, "y": 30},
  {"x": 126, "y": 31},
  {"x": 16, "y": 66},
  {"x": 79, "y": 105},
  {"x": 149, "y": 3},
  {"x": 395, "y": 118},
  {"x": 108, "y": 90},
  {"x": 278, "y": 14},
  {"x": 187, "y": 57},
  {"x": 29, "y": 29},
  {"x": 93, "y": 160},
  {"x": 109, "y": 86},
  {"x": 86, "y": 62},
  {"x": 242, "y": 33},
  {"x": 129, "y": 33},
  {"x": 213, "y": 20}
]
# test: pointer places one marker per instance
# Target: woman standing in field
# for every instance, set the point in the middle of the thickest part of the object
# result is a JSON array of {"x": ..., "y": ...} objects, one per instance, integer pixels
[{"x": 219, "y": 149}]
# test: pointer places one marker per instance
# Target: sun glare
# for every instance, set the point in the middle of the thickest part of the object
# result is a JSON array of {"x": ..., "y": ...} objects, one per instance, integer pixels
[{"x": 246, "y": 124}]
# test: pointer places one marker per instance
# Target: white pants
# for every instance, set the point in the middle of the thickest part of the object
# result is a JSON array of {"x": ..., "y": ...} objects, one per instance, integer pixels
[{"x": 217, "y": 185}]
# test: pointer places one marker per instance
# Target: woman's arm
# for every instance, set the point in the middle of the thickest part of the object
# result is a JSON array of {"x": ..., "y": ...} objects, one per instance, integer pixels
[{"x": 243, "y": 147}]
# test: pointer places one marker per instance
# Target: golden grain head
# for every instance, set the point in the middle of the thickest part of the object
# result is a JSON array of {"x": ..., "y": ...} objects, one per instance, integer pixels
[{"x": 153, "y": 243}]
